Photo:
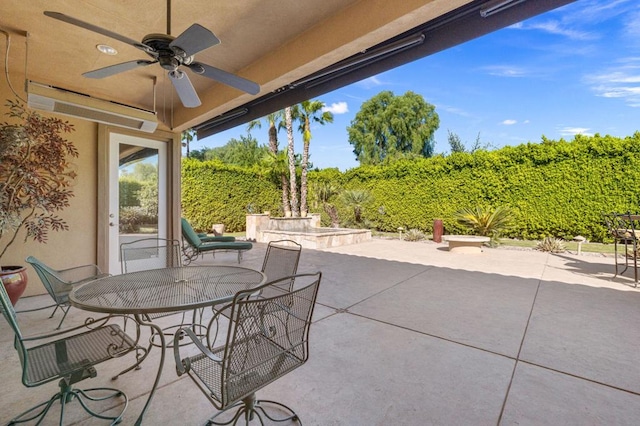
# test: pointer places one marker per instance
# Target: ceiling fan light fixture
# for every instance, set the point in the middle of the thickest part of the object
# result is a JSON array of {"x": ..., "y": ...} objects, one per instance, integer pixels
[{"x": 106, "y": 49}]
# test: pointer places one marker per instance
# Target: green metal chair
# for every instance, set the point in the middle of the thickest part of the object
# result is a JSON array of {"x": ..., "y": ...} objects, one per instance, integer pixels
[
  {"x": 59, "y": 283},
  {"x": 623, "y": 230},
  {"x": 71, "y": 359},
  {"x": 153, "y": 253},
  {"x": 195, "y": 246},
  {"x": 268, "y": 338}
]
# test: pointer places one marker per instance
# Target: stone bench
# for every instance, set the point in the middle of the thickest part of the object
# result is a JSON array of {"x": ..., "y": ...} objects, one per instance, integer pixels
[{"x": 465, "y": 243}]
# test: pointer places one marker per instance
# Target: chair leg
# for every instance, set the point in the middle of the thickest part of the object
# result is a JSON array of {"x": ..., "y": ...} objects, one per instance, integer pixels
[
  {"x": 67, "y": 394},
  {"x": 249, "y": 408},
  {"x": 66, "y": 311}
]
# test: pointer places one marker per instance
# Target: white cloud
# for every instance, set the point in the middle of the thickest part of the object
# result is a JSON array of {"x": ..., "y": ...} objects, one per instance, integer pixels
[
  {"x": 572, "y": 131},
  {"x": 509, "y": 122},
  {"x": 557, "y": 28},
  {"x": 370, "y": 82},
  {"x": 621, "y": 82},
  {"x": 506, "y": 71},
  {"x": 337, "y": 108},
  {"x": 453, "y": 110}
]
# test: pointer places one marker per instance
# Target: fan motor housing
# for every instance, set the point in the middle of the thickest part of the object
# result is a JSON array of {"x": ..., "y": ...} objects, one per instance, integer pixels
[{"x": 168, "y": 57}]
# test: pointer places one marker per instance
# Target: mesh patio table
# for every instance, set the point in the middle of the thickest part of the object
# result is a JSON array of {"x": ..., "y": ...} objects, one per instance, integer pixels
[{"x": 163, "y": 290}]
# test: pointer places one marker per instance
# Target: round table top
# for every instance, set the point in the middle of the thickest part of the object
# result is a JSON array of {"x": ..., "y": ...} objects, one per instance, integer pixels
[{"x": 165, "y": 290}]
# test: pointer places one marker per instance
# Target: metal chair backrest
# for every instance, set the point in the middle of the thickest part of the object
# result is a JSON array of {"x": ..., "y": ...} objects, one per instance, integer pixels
[
  {"x": 281, "y": 260},
  {"x": 268, "y": 337},
  {"x": 150, "y": 253},
  {"x": 58, "y": 282},
  {"x": 621, "y": 226},
  {"x": 9, "y": 314}
]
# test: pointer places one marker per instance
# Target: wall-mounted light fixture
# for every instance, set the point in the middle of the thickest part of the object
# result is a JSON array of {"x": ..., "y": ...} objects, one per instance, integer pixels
[{"x": 497, "y": 6}]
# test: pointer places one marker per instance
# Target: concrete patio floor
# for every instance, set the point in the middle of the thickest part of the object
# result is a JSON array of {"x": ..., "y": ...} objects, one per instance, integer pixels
[{"x": 411, "y": 334}]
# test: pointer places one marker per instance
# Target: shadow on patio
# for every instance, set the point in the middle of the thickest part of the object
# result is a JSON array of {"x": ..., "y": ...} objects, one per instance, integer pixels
[{"x": 409, "y": 334}]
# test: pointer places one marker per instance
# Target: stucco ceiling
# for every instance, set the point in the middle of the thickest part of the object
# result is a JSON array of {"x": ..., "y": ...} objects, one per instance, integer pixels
[{"x": 272, "y": 42}]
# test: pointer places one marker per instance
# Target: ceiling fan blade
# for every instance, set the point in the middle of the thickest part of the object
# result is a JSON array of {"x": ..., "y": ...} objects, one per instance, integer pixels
[
  {"x": 87, "y": 26},
  {"x": 225, "y": 77},
  {"x": 117, "y": 68},
  {"x": 186, "y": 92},
  {"x": 194, "y": 39}
]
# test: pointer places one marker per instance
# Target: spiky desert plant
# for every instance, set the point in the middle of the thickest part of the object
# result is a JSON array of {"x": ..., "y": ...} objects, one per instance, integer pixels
[
  {"x": 551, "y": 245},
  {"x": 356, "y": 198},
  {"x": 485, "y": 221},
  {"x": 414, "y": 235}
]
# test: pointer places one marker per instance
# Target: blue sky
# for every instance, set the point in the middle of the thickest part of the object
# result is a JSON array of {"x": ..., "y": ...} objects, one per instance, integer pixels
[{"x": 572, "y": 70}]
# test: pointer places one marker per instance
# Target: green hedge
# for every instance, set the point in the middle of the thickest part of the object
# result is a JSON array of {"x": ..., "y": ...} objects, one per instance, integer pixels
[
  {"x": 555, "y": 188},
  {"x": 216, "y": 193}
]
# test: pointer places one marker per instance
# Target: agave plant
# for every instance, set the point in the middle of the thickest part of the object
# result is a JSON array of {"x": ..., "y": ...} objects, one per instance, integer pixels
[
  {"x": 414, "y": 235},
  {"x": 551, "y": 245},
  {"x": 484, "y": 221}
]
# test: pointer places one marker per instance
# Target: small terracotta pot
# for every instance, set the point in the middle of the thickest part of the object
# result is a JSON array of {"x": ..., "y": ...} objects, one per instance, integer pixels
[{"x": 14, "y": 279}]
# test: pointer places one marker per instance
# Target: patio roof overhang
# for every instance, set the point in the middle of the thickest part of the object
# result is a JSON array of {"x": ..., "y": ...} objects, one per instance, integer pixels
[
  {"x": 295, "y": 51},
  {"x": 446, "y": 31}
]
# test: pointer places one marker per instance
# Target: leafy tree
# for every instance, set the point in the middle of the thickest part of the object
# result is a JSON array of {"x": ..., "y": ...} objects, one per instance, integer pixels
[
  {"x": 243, "y": 152},
  {"x": 306, "y": 113},
  {"x": 458, "y": 146},
  {"x": 389, "y": 127},
  {"x": 198, "y": 154},
  {"x": 454, "y": 142}
]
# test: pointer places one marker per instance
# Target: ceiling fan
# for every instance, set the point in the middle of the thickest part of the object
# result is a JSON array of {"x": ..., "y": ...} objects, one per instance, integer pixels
[{"x": 171, "y": 53}]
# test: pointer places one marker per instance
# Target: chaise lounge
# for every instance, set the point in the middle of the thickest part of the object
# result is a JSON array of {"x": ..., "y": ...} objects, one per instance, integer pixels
[{"x": 196, "y": 245}]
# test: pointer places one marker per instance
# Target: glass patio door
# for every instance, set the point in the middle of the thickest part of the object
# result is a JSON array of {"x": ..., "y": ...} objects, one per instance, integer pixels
[{"x": 137, "y": 192}]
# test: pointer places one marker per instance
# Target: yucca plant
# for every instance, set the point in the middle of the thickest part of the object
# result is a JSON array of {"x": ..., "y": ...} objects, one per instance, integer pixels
[
  {"x": 485, "y": 221},
  {"x": 551, "y": 245}
]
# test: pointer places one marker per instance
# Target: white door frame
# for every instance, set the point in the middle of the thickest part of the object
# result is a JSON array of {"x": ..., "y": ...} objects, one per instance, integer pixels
[{"x": 109, "y": 139}]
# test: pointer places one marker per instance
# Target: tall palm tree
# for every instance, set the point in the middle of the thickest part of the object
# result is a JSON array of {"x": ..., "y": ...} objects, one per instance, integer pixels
[
  {"x": 305, "y": 113},
  {"x": 275, "y": 121},
  {"x": 293, "y": 187}
]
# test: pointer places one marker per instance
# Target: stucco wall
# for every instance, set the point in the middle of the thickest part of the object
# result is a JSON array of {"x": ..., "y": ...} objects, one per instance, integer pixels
[{"x": 78, "y": 245}]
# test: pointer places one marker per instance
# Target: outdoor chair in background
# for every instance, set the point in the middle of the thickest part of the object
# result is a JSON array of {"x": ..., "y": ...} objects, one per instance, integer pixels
[
  {"x": 622, "y": 228},
  {"x": 71, "y": 358},
  {"x": 194, "y": 245},
  {"x": 280, "y": 260},
  {"x": 268, "y": 338},
  {"x": 153, "y": 253},
  {"x": 59, "y": 283},
  {"x": 204, "y": 237}
]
